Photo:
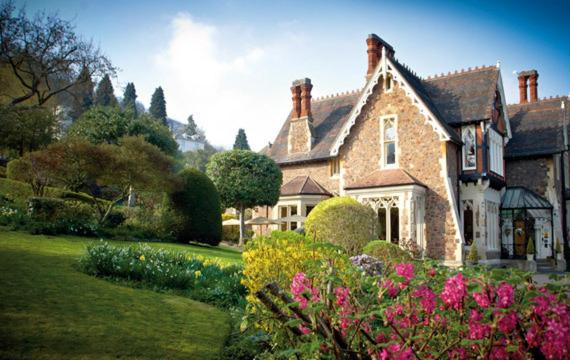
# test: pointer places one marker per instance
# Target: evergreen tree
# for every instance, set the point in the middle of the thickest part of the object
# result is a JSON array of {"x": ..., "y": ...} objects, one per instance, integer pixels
[
  {"x": 105, "y": 94},
  {"x": 158, "y": 105},
  {"x": 82, "y": 94},
  {"x": 191, "y": 128},
  {"x": 130, "y": 99},
  {"x": 241, "y": 141}
]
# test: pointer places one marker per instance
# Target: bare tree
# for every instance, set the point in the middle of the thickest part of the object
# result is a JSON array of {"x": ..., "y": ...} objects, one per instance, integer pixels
[{"x": 45, "y": 54}]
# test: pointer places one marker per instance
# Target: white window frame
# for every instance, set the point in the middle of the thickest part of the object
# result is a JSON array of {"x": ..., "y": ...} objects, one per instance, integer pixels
[
  {"x": 332, "y": 162},
  {"x": 496, "y": 152},
  {"x": 463, "y": 148},
  {"x": 383, "y": 163}
]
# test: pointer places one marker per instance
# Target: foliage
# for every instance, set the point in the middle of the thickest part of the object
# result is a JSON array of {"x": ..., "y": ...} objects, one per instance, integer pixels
[
  {"x": 18, "y": 192},
  {"x": 2, "y": 172},
  {"x": 199, "y": 159},
  {"x": 83, "y": 94},
  {"x": 105, "y": 94},
  {"x": 390, "y": 254},
  {"x": 191, "y": 128},
  {"x": 530, "y": 246},
  {"x": 154, "y": 133},
  {"x": 158, "y": 105},
  {"x": 198, "y": 202},
  {"x": 241, "y": 141},
  {"x": 421, "y": 311},
  {"x": 35, "y": 168},
  {"x": 342, "y": 221},
  {"x": 101, "y": 125},
  {"x": 130, "y": 99},
  {"x": 245, "y": 179},
  {"x": 473, "y": 256},
  {"x": 26, "y": 129},
  {"x": 40, "y": 277},
  {"x": 45, "y": 54},
  {"x": 209, "y": 280}
]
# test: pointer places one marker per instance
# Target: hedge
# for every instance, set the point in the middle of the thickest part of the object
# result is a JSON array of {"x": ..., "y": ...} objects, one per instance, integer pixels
[{"x": 197, "y": 202}]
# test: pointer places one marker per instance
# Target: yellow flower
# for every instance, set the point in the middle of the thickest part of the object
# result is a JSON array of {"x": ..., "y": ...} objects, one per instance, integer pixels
[
  {"x": 198, "y": 273},
  {"x": 141, "y": 258}
]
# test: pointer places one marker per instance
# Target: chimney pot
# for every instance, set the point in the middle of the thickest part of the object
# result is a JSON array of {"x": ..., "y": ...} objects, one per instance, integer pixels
[
  {"x": 375, "y": 45},
  {"x": 526, "y": 77},
  {"x": 296, "y": 92}
]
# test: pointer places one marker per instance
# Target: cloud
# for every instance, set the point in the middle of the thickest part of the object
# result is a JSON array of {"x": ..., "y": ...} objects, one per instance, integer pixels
[{"x": 208, "y": 72}]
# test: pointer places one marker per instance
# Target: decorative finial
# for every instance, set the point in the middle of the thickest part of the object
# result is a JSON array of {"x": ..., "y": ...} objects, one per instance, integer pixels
[{"x": 498, "y": 64}]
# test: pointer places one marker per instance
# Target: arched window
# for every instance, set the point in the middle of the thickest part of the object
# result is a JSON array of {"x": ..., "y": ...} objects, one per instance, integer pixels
[
  {"x": 469, "y": 148},
  {"x": 389, "y": 139}
]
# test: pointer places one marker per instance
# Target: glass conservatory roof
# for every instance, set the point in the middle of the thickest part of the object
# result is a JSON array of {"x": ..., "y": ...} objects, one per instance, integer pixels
[{"x": 518, "y": 197}]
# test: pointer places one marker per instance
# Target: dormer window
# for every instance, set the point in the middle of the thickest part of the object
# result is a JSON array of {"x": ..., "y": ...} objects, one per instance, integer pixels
[
  {"x": 469, "y": 147},
  {"x": 388, "y": 130}
]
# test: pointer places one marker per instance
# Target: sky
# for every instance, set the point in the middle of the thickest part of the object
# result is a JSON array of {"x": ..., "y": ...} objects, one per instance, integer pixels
[{"x": 231, "y": 63}]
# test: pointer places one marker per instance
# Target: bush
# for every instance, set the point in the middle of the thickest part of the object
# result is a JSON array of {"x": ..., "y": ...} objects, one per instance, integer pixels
[
  {"x": 390, "y": 254},
  {"x": 2, "y": 172},
  {"x": 51, "y": 216},
  {"x": 115, "y": 218},
  {"x": 19, "y": 192},
  {"x": 198, "y": 203},
  {"x": 342, "y": 221},
  {"x": 212, "y": 281}
]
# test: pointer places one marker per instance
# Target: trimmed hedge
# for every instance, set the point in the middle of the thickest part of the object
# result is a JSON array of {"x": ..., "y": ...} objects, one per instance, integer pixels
[
  {"x": 342, "y": 221},
  {"x": 390, "y": 254},
  {"x": 198, "y": 203}
]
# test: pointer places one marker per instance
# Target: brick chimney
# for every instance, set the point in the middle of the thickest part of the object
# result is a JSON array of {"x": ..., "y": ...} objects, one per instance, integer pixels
[
  {"x": 526, "y": 78},
  {"x": 301, "y": 123},
  {"x": 375, "y": 45}
]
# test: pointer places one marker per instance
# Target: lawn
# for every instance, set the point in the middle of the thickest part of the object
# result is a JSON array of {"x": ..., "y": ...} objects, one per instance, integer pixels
[{"x": 48, "y": 309}]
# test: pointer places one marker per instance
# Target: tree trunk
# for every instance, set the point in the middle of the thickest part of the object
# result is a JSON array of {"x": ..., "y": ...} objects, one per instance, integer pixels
[
  {"x": 132, "y": 201},
  {"x": 241, "y": 225}
]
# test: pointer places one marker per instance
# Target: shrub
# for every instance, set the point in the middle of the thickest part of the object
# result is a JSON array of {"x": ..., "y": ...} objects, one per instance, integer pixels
[
  {"x": 115, "y": 218},
  {"x": 198, "y": 203},
  {"x": 208, "y": 280},
  {"x": 342, "y": 221},
  {"x": 423, "y": 312},
  {"x": 530, "y": 246},
  {"x": 473, "y": 256},
  {"x": 19, "y": 192},
  {"x": 390, "y": 254},
  {"x": 2, "y": 172},
  {"x": 45, "y": 209},
  {"x": 51, "y": 216}
]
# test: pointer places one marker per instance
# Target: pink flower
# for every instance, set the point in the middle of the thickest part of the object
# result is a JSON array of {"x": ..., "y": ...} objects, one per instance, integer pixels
[
  {"x": 431, "y": 272},
  {"x": 392, "y": 290},
  {"x": 458, "y": 354},
  {"x": 300, "y": 286},
  {"x": 508, "y": 322},
  {"x": 305, "y": 330},
  {"x": 427, "y": 299},
  {"x": 484, "y": 297},
  {"x": 454, "y": 291},
  {"x": 405, "y": 270},
  {"x": 341, "y": 294},
  {"x": 477, "y": 330},
  {"x": 506, "y": 295}
]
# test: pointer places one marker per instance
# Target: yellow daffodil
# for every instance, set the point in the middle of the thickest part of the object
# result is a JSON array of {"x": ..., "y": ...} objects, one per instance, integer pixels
[{"x": 141, "y": 258}]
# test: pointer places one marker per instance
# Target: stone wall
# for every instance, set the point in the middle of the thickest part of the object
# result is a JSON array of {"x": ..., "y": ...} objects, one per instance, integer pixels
[
  {"x": 530, "y": 173},
  {"x": 319, "y": 171},
  {"x": 300, "y": 135},
  {"x": 419, "y": 152}
]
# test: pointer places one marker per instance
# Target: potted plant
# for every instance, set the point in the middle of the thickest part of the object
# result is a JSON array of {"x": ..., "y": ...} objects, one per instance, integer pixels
[
  {"x": 473, "y": 256},
  {"x": 558, "y": 250},
  {"x": 530, "y": 249}
]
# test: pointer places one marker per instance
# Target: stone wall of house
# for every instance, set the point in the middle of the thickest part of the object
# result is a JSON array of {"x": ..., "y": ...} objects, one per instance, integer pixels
[
  {"x": 419, "y": 152},
  {"x": 530, "y": 173},
  {"x": 300, "y": 135},
  {"x": 319, "y": 171}
]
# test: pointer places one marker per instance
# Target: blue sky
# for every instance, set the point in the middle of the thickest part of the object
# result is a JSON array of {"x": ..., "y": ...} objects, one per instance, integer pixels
[{"x": 230, "y": 63}]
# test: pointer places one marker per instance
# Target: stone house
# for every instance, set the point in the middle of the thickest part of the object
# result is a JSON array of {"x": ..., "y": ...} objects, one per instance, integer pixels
[{"x": 428, "y": 155}]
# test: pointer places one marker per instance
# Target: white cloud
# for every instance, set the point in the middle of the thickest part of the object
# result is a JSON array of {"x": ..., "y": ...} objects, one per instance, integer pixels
[{"x": 206, "y": 73}]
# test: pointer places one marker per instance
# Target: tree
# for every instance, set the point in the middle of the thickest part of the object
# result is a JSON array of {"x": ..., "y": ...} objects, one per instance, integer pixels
[
  {"x": 154, "y": 133},
  {"x": 130, "y": 99},
  {"x": 191, "y": 128},
  {"x": 199, "y": 159},
  {"x": 45, "y": 54},
  {"x": 105, "y": 94},
  {"x": 245, "y": 179},
  {"x": 241, "y": 141},
  {"x": 158, "y": 105},
  {"x": 198, "y": 203},
  {"x": 26, "y": 129},
  {"x": 82, "y": 94},
  {"x": 34, "y": 168},
  {"x": 101, "y": 125}
]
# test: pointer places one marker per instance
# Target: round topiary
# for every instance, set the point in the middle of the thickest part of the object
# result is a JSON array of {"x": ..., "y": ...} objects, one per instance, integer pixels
[
  {"x": 197, "y": 202},
  {"x": 342, "y": 221},
  {"x": 390, "y": 254}
]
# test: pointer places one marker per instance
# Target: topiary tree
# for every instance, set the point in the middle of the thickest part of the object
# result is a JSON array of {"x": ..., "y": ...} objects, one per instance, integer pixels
[
  {"x": 342, "y": 221},
  {"x": 245, "y": 179},
  {"x": 241, "y": 141},
  {"x": 198, "y": 203},
  {"x": 473, "y": 256}
]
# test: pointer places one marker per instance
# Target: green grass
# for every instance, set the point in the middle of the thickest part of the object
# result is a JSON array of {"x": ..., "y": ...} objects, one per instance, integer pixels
[{"x": 50, "y": 310}]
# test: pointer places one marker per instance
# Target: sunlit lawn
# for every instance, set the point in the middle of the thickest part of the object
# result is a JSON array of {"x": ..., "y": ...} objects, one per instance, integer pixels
[{"x": 49, "y": 309}]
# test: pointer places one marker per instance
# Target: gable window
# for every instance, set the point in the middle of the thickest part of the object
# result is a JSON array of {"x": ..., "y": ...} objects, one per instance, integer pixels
[
  {"x": 334, "y": 166},
  {"x": 389, "y": 139},
  {"x": 496, "y": 152},
  {"x": 468, "y": 135}
]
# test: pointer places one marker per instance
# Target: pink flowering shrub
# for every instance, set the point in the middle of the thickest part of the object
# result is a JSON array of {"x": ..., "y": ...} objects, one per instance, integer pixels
[{"x": 422, "y": 311}]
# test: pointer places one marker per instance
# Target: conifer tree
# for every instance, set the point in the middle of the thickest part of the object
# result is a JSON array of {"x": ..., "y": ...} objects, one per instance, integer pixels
[
  {"x": 158, "y": 105},
  {"x": 82, "y": 94},
  {"x": 191, "y": 128},
  {"x": 105, "y": 94},
  {"x": 241, "y": 141},
  {"x": 130, "y": 98}
]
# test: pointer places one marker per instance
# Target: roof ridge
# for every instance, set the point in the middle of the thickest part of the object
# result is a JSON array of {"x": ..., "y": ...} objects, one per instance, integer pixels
[
  {"x": 463, "y": 71},
  {"x": 335, "y": 95},
  {"x": 546, "y": 98},
  {"x": 307, "y": 177}
]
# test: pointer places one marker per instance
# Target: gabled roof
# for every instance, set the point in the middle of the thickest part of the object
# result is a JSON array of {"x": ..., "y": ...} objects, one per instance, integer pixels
[
  {"x": 329, "y": 114},
  {"x": 537, "y": 128},
  {"x": 518, "y": 197},
  {"x": 464, "y": 96},
  {"x": 385, "y": 178},
  {"x": 303, "y": 185}
]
